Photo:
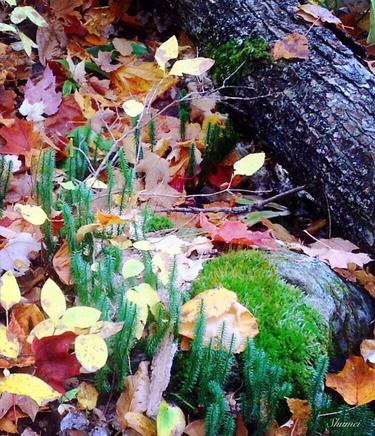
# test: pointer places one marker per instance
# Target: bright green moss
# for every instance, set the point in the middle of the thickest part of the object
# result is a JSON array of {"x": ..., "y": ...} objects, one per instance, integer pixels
[
  {"x": 292, "y": 333},
  {"x": 234, "y": 57}
]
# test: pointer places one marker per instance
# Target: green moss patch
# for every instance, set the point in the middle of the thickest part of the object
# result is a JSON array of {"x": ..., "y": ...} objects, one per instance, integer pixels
[{"x": 292, "y": 333}]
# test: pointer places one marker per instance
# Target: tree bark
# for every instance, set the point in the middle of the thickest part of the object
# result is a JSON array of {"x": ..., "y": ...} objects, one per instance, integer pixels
[{"x": 316, "y": 116}]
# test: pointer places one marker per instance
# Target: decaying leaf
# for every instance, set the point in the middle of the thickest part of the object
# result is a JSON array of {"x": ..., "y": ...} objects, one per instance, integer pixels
[
  {"x": 220, "y": 307},
  {"x": 292, "y": 46},
  {"x": 9, "y": 346},
  {"x": 355, "y": 383},
  {"x": 9, "y": 291},
  {"x": 91, "y": 352},
  {"x": 317, "y": 14},
  {"x": 87, "y": 396},
  {"x": 61, "y": 264}
]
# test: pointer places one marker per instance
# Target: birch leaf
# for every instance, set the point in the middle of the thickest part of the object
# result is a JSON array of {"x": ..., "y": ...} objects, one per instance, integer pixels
[
  {"x": 52, "y": 300},
  {"x": 26, "y": 384},
  {"x": 80, "y": 317},
  {"x": 91, "y": 352},
  {"x": 167, "y": 51},
  {"x": 249, "y": 165},
  {"x": 9, "y": 291},
  {"x": 33, "y": 214},
  {"x": 195, "y": 67}
]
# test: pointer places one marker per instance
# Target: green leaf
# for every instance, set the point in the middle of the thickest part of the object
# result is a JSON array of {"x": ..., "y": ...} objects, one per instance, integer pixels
[
  {"x": 249, "y": 165},
  {"x": 20, "y": 13},
  {"x": 28, "y": 44},
  {"x": 11, "y": 2},
  {"x": 170, "y": 420},
  {"x": 70, "y": 395},
  {"x": 69, "y": 87},
  {"x": 132, "y": 268},
  {"x": 139, "y": 49},
  {"x": 371, "y": 34},
  {"x": 257, "y": 216}
]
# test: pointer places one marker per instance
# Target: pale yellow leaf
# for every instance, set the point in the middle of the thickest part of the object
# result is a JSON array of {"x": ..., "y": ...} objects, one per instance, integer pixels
[
  {"x": 170, "y": 420},
  {"x": 143, "y": 245},
  {"x": 8, "y": 347},
  {"x": 69, "y": 185},
  {"x": 249, "y": 165},
  {"x": 52, "y": 300},
  {"x": 195, "y": 67},
  {"x": 33, "y": 214},
  {"x": 84, "y": 230},
  {"x": 91, "y": 352},
  {"x": 7, "y": 28},
  {"x": 142, "y": 311},
  {"x": 80, "y": 317},
  {"x": 149, "y": 294},
  {"x": 132, "y": 268},
  {"x": 33, "y": 387},
  {"x": 41, "y": 330},
  {"x": 94, "y": 183},
  {"x": 28, "y": 43},
  {"x": 9, "y": 291},
  {"x": 167, "y": 51},
  {"x": 133, "y": 108}
]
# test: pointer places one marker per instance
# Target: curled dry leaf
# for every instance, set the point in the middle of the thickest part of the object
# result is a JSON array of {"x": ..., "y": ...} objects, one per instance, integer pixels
[
  {"x": 368, "y": 350},
  {"x": 61, "y": 264},
  {"x": 220, "y": 306},
  {"x": 355, "y": 383},
  {"x": 317, "y": 14}
]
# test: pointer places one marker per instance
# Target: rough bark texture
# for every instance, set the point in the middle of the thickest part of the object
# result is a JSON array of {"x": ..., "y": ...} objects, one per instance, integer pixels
[
  {"x": 348, "y": 310},
  {"x": 319, "y": 115}
]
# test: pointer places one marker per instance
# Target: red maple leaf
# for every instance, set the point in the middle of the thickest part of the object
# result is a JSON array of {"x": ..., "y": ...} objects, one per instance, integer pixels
[
  {"x": 20, "y": 138},
  {"x": 54, "y": 363},
  {"x": 235, "y": 232},
  {"x": 68, "y": 117}
]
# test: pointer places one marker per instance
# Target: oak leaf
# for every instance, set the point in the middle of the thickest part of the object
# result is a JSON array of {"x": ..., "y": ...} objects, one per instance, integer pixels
[{"x": 355, "y": 383}]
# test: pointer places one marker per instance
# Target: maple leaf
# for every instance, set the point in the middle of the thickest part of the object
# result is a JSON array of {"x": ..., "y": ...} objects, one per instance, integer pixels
[
  {"x": 43, "y": 93},
  {"x": 104, "y": 60},
  {"x": 51, "y": 41},
  {"x": 355, "y": 383},
  {"x": 54, "y": 363},
  {"x": 337, "y": 252},
  {"x": 20, "y": 138},
  {"x": 68, "y": 117},
  {"x": 235, "y": 232},
  {"x": 292, "y": 46}
]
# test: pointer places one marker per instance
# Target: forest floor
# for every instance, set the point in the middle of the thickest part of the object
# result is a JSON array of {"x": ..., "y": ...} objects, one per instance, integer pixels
[{"x": 121, "y": 177}]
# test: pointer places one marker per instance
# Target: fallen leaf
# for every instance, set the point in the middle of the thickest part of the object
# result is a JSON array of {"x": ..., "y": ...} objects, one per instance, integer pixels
[
  {"x": 317, "y": 14},
  {"x": 170, "y": 420},
  {"x": 194, "y": 67},
  {"x": 87, "y": 396},
  {"x": 91, "y": 352},
  {"x": 167, "y": 51},
  {"x": 9, "y": 291},
  {"x": 132, "y": 268},
  {"x": 25, "y": 403},
  {"x": 195, "y": 428},
  {"x": 52, "y": 300},
  {"x": 355, "y": 383},
  {"x": 61, "y": 264},
  {"x": 292, "y": 46},
  {"x": 336, "y": 252},
  {"x": 54, "y": 361},
  {"x": 249, "y": 165},
  {"x": 133, "y": 108},
  {"x": 135, "y": 396},
  {"x": 368, "y": 350},
  {"x": 221, "y": 306},
  {"x": 32, "y": 214},
  {"x": 29, "y": 385},
  {"x": 9, "y": 346},
  {"x": 141, "y": 424},
  {"x": 161, "y": 373},
  {"x": 20, "y": 138},
  {"x": 80, "y": 317},
  {"x": 235, "y": 232}
]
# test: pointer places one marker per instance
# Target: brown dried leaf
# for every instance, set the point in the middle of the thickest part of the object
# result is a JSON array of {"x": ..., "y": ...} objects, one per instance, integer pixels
[
  {"x": 317, "y": 14},
  {"x": 61, "y": 264},
  {"x": 355, "y": 383},
  {"x": 161, "y": 374},
  {"x": 292, "y": 46},
  {"x": 51, "y": 41}
]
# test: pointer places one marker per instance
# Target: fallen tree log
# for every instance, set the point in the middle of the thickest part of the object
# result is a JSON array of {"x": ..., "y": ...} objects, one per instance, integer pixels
[{"x": 316, "y": 116}]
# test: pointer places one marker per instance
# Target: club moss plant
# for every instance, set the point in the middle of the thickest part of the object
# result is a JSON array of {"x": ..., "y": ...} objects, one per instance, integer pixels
[{"x": 293, "y": 334}]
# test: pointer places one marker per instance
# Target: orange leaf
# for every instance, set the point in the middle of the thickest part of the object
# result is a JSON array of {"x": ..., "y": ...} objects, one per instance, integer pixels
[
  {"x": 61, "y": 264},
  {"x": 20, "y": 138},
  {"x": 107, "y": 219},
  {"x": 292, "y": 46},
  {"x": 355, "y": 383}
]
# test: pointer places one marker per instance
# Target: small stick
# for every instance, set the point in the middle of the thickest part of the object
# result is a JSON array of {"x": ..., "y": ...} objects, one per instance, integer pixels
[{"x": 258, "y": 205}]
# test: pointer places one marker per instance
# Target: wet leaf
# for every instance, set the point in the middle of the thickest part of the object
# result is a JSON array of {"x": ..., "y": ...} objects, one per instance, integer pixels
[{"x": 355, "y": 383}]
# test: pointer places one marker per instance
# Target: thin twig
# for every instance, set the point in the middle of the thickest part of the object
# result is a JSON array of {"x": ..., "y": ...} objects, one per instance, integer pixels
[{"x": 237, "y": 210}]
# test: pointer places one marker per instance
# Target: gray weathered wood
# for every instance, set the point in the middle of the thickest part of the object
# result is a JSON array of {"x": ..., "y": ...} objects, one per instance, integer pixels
[{"x": 319, "y": 116}]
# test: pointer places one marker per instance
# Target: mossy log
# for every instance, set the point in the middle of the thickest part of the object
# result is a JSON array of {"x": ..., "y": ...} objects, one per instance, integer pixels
[
  {"x": 316, "y": 116},
  {"x": 304, "y": 309}
]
